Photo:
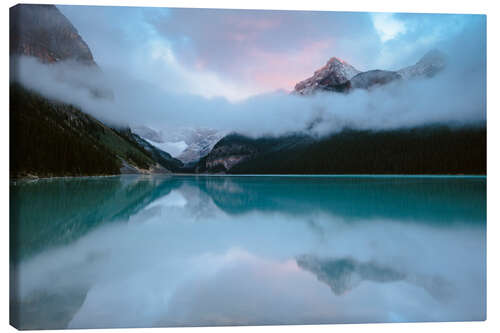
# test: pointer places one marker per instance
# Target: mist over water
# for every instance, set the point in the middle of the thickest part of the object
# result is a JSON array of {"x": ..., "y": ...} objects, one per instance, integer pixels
[{"x": 168, "y": 251}]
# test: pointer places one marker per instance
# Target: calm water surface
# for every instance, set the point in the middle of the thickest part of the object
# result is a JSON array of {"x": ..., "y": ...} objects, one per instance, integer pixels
[{"x": 146, "y": 251}]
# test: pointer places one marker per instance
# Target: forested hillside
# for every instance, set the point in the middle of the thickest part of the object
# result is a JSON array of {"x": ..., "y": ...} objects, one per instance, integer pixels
[
  {"x": 423, "y": 150},
  {"x": 56, "y": 139}
]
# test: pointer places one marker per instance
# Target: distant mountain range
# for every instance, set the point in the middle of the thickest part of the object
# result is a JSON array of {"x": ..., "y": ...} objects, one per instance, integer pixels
[
  {"x": 339, "y": 76},
  {"x": 186, "y": 143},
  {"x": 433, "y": 149},
  {"x": 50, "y": 138}
]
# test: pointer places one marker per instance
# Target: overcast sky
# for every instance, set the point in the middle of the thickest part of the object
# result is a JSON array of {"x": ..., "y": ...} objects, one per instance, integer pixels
[{"x": 240, "y": 53}]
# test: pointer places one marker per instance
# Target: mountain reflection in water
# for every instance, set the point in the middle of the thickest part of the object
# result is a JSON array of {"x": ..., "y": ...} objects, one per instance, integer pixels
[
  {"x": 143, "y": 251},
  {"x": 342, "y": 275}
]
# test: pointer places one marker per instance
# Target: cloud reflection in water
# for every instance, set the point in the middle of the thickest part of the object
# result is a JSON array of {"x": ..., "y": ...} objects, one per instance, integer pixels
[{"x": 257, "y": 250}]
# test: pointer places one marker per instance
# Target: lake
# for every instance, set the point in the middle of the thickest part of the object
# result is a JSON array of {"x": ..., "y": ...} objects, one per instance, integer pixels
[{"x": 149, "y": 251}]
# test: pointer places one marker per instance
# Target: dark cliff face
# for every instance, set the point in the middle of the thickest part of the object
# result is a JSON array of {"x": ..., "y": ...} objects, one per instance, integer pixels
[{"x": 42, "y": 31}]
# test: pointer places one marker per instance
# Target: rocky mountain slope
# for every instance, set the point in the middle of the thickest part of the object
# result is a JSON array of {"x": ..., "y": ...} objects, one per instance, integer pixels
[
  {"x": 433, "y": 149},
  {"x": 332, "y": 76},
  {"x": 163, "y": 158},
  {"x": 369, "y": 79},
  {"x": 200, "y": 142},
  {"x": 42, "y": 31},
  {"x": 187, "y": 144},
  {"x": 339, "y": 76}
]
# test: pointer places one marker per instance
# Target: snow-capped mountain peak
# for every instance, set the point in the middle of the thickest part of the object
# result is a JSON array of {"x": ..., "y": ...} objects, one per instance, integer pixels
[
  {"x": 339, "y": 76},
  {"x": 186, "y": 143},
  {"x": 335, "y": 72}
]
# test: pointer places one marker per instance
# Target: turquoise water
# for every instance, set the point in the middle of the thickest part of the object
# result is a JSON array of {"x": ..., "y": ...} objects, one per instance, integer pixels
[{"x": 147, "y": 251}]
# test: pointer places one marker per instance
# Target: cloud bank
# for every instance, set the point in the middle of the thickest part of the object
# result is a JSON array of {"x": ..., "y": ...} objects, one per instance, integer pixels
[
  {"x": 455, "y": 96},
  {"x": 239, "y": 53}
]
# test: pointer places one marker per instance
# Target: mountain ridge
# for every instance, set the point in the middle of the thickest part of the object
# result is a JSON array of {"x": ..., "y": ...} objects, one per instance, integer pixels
[
  {"x": 336, "y": 72},
  {"x": 42, "y": 31},
  {"x": 340, "y": 76},
  {"x": 50, "y": 138},
  {"x": 431, "y": 149}
]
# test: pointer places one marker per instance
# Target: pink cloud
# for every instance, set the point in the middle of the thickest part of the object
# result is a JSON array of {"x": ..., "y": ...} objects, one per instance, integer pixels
[
  {"x": 266, "y": 49},
  {"x": 282, "y": 70}
]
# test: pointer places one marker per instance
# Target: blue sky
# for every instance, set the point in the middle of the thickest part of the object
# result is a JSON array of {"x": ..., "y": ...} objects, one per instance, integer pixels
[{"x": 240, "y": 53}]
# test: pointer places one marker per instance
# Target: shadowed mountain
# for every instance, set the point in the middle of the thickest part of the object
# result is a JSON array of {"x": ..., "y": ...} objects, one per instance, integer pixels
[
  {"x": 41, "y": 31},
  {"x": 369, "y": 79},
  {"x": 421, "y": 150},
  {"x": 234, "y": 149},
  {"x": 50, "y": 138},
  {"x": 55, "y": 139}
]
